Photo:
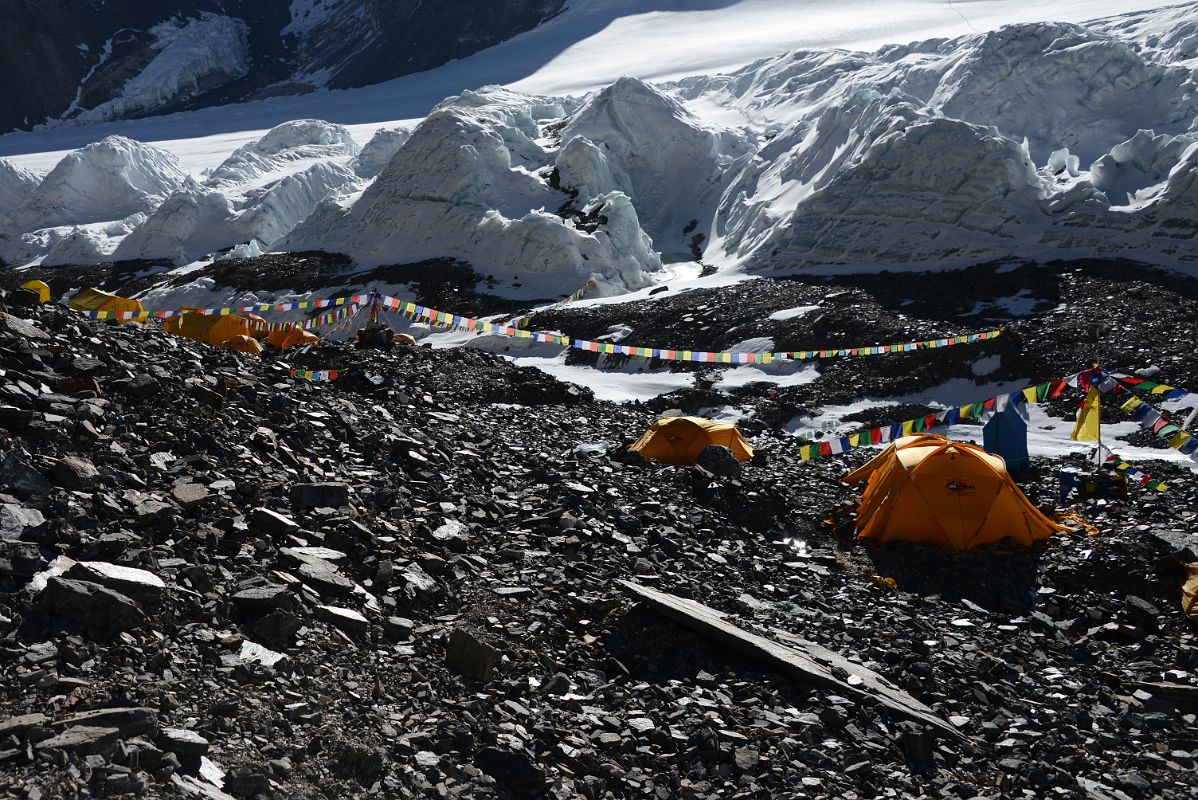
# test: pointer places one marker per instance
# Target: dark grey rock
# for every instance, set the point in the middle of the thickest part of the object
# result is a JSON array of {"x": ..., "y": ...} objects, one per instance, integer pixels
[
  {"x": 469, "y": 656},
  {"x": 83, "y": 741},
  {"x": 91, "y": 604},
  {"x": 272, "y": 523},
  {"x": 320, "y": 495},
  {"x": 75, "y": 473}
]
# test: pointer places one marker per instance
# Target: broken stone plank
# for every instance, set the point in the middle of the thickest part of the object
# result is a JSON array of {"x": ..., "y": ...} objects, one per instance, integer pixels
[
  {"x": 133, "y": 721},
  {"x": 1179, "y": 693},
  {"x": 800, "y": 660}
]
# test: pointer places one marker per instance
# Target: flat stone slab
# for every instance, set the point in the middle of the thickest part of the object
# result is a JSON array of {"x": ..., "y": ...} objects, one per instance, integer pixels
[
  {"x": 272, "y": 523},
  {"x": 796, "y": 658},
  {"x": 131, "y": 721},
  {"x": 15, "y": 726},
  {"x": 83, "y": 740},
  {"x": 252, "y": 651},
  {"x": 91, "y": 604},
  {"x": 346, "y": 619},
  {"x": 190, "y": 495},
  {"x": 137, "y": 583}
]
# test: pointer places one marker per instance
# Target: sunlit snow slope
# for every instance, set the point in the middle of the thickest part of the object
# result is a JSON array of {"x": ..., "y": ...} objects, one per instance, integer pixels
[{"x": 1036, "y": 140}]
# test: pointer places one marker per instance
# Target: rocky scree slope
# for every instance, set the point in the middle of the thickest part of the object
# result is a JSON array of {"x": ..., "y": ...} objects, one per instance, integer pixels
[{"x": 403, "y": 582}]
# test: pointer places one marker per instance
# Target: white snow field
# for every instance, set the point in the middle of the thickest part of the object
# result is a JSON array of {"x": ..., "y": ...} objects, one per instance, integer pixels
[{"x": 628, "y": 137}]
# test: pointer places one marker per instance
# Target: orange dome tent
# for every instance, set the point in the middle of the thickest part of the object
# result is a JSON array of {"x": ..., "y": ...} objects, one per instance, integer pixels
[
  {"x": 680, "y": 440},
  {"x": 286, "y": 338},
  {"x": 210, "y": 328},
  {"x": 244, "y": 344},
  {"x": 930, "y": 489}
]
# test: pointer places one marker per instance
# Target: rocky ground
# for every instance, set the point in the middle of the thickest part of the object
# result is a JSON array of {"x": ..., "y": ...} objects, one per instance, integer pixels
[{"x": 218, "y": 580}]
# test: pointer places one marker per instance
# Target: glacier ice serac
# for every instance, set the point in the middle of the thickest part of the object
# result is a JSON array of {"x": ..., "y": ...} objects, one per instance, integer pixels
[{"x": 1034, "y": 141}]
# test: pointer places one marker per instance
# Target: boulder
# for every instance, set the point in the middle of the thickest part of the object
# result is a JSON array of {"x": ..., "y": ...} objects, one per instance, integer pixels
[
  {"x": 139, "y": 584},
  {"x": 75, "y": 473},
  {"x": 320, "y": 495},
  {"x": 469, "y": 656},
  {"x": 91, "y": 604}
]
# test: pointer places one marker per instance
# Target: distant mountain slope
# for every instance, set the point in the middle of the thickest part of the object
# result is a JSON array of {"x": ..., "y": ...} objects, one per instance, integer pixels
[
  {"x": 1036, "y": 140},
  {"x": 84, "y": 61}
]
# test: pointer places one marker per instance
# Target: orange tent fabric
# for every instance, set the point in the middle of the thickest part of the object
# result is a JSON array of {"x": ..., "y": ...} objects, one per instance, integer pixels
[
  {"x": 209, "y": 328},
  {"x": 680, "y": 440},
  {"x": 931, "y": 489},
  {"x": 286, "y": 338},
  {"x": 93, "y": 299},
  {"x": 258, "y": 327},
  {"x": 244, "y": 344}
]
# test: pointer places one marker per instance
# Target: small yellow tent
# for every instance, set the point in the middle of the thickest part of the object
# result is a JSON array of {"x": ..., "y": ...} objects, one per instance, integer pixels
[
  {"x": 286, "y": 338},
  {"x": 680, "y": 440},
  {"x": 243, "y": 344},
  {"x": 930, "y": 489},
  {"x": 41, "y": 287},
  {"x": 92, "y": 299},
  {"x": 209, "y": 328}
]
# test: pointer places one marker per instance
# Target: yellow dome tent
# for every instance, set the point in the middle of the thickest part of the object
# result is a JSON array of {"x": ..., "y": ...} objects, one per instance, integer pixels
[
  {"x": 286, "y": 338},
  {"x": 933, "y": 490},
  {"x": 680, "y": 440},
  {"x": 41, "y": 287},
  {"x": 210, "y": 328},
  {"x": 92, "y": 299},
  {"x": 244, "y": 344}
]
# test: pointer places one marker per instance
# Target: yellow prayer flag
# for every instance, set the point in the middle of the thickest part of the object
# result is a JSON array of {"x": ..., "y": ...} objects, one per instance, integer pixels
[
  {"x": 1029, "y": 394},
  {"x": 1132, "y": 404},
  {"x": 1086, "y": 429},
  {"x": 908, "y": 427}
]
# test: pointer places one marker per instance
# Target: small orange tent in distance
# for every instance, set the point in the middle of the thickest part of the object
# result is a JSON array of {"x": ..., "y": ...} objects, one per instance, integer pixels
[
  {"x": 244, "y": 344},
  {"x": 286, "y": 338},
  {"x": 930, "y": 489},
  {"x": 210, "y": 328},
  {"x": 680, "y": 440},
  {"x": 92, "y": 299}
]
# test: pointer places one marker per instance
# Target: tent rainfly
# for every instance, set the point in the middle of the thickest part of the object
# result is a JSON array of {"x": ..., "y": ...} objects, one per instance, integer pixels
[
  {"x": 41, "y": 287},
  {"x": 931, "y": 489},
  {"x": 286, "y": 338},
  {"x": 92, "y": 299},
  {"x": 680, "y": 440},
  {"x": 210, "y": 328}
]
